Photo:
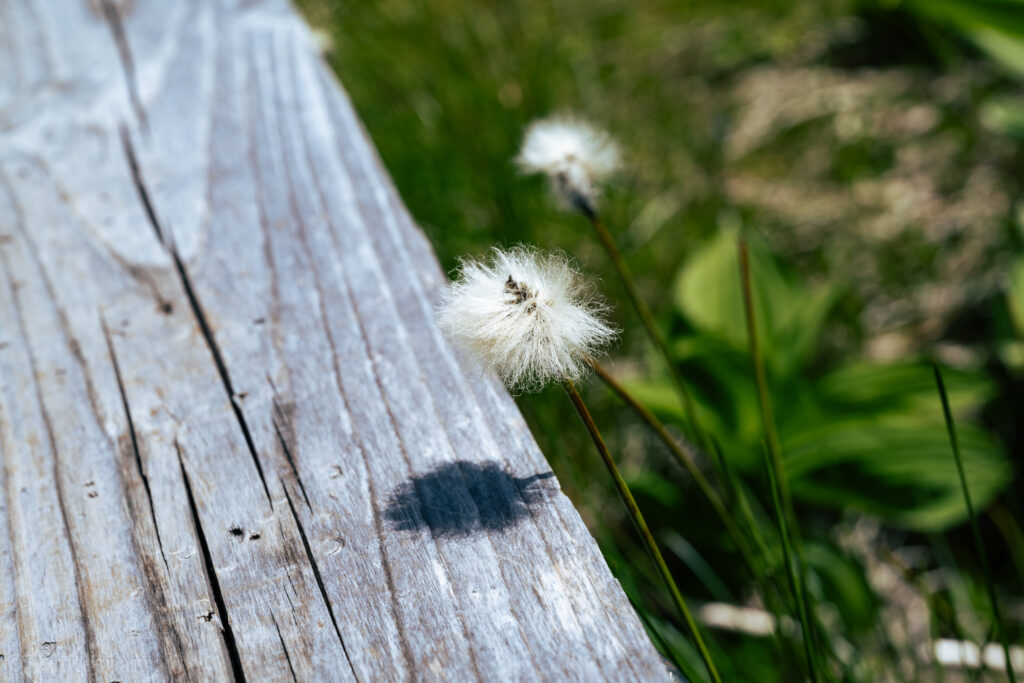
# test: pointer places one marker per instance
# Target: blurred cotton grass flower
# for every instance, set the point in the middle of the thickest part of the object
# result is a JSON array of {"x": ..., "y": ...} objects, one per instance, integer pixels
[
  {"x": 578, "y": 158},
  {"x": 528, "y": 317},
  {"x": 575, "y": 156},
  {"x": 532, "y": 319}
]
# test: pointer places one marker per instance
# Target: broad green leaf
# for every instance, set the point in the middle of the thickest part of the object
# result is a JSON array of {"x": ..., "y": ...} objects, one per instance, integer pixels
[
  {"x": 658, "y": 395},
  {"x": 1012, "y": 354},
  {"x": 1005, "y": 48},
  {"x": 899, "y": 388},
  {"x": 1005, "y": 15},
  {"x": 796, "y": 343},
  {"x": 729, "y": 409},
  {"x": 901, "y": 471},
  {"x": 995, "y": 26},
  {"x": 708, "y": 289},
  {"x": 789, "y": 315}
]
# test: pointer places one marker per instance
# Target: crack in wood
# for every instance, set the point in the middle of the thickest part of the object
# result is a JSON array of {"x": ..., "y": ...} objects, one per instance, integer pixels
[
  {"x": 211, "y": 572},
  {"x": 167, "y": 240},
  {"x": 291, "y": 462},
  {"x": 113, "y": 18},
  {"x": 374, "y": 499},
  {"x": 281, "y": 417},
  {"x": 140, "y": 185},
  {"x": 405, "y": 456},
  {"x": 288, "y": 575},
  {"x": 287, "y": 657},
  {"x": 319, "y": 580},
  {"x": 222, "y": 370},
  {"x": 134, "y": 436}
]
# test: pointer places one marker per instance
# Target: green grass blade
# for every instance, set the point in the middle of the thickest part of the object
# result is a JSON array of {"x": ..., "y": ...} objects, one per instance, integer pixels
[
  {"x": 638, "y": 520},
  {"x": 647, "y": 318},
  {"x": 686, "y": 458},
  {"x": 781, "y": 498},
  {"x": 791, "y": 570},
  {"x": 975, "y": 529}
]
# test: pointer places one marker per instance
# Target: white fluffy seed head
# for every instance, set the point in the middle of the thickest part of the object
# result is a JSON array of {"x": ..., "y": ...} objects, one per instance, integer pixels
[
  {"x": 576, "y": 157},
  {"x": 528, "y": 317}
]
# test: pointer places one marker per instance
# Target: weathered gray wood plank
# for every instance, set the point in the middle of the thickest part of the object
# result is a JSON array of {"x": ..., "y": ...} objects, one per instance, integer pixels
[{"x": 233, "y": 441}]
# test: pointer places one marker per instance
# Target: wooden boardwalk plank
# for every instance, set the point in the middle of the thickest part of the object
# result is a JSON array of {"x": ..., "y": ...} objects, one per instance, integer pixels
[{"x": 234, "y": 443}]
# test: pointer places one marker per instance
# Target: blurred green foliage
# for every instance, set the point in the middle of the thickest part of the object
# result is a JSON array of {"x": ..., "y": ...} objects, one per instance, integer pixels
[
  {"x": 861, "y": 435},
  {"x": 870, "y": 151},
  {"x": 995, "y": 26}
]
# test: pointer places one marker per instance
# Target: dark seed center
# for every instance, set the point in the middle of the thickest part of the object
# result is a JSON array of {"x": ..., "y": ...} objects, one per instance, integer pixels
[{"x": 520, "y": 292}]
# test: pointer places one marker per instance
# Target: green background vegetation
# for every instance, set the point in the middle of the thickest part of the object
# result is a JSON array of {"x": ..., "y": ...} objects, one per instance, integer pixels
[{"x": 871, "y": 153}]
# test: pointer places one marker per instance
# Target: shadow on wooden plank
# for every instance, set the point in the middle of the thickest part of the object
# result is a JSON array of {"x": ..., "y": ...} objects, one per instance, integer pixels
[{"x": 460, "y": 498}]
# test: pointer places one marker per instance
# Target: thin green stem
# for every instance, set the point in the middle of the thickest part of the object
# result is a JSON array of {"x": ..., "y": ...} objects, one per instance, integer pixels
[
  {"x": 763, "y": 399},
  {"x": 683, "y": 453},
  {"x": 685, "y": 457},
  {"x": 648, "y": 320},
  {"x": 776, "y": 465},
  {"x": 743, "y": 503},
  {"x": 763, "y": 396},
  {"x": 638, "y": 519},
  {"x": 791, "y": 570},
  {"x": 975, "y": 529}
]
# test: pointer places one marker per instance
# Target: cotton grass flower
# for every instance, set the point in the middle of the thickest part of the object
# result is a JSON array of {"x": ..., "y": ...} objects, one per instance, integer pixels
[
  {"x": 531, "y": 319},
  {"x": 576, "y": 157},
  {"x": 528, "y": 317}
]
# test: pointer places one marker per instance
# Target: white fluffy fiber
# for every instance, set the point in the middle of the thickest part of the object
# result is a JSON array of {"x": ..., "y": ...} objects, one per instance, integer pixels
[
  {"x": 541, "y": 326},
  {"x": 574, "y": 155}
]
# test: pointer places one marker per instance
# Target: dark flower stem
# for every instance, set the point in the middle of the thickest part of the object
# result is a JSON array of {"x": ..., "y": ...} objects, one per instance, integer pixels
[
  {"x": 647, "y": 318},
  {"x": 979, "y": 544},
  {"x": 641, "y": 525},
  {"x": 776, "y": 468},
  {"x": 684, "y": 455}
]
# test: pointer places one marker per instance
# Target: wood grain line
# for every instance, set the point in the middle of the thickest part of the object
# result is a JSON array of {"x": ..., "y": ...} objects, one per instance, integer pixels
[
  {"x": 284, "y": 648},
  {"x": 396, "y": 280},
  {"x": 87, "y": 629},
  {"x": 218, "y": 597},
  {"x": 319, "y": 580},
  {"x": 134, "y": 438},
  {"x": 31, "y": 499},
  {"x": 113, "y": 17},
  {"x": 218, "y": 360},
  {"x": 371, "y": 486},
  {"x": 197, "y": 309}
]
